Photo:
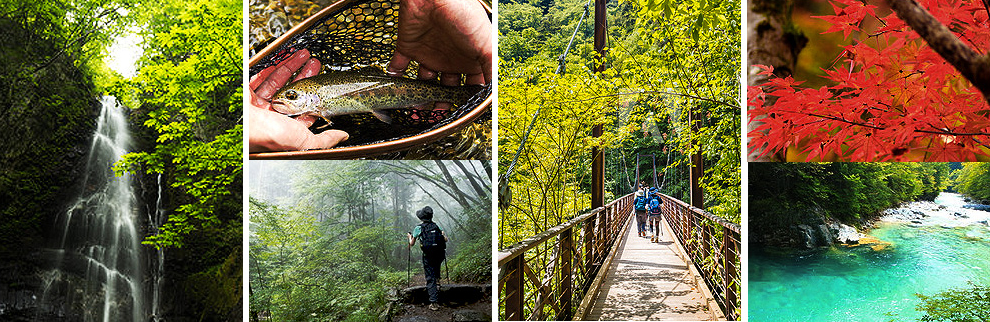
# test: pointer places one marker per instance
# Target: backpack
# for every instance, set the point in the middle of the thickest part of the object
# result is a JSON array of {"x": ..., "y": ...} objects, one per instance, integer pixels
[
  {"x": 655, "y": 205},
  {"x": 431, "y": 237},
  {"x": 640, "y": 202}
]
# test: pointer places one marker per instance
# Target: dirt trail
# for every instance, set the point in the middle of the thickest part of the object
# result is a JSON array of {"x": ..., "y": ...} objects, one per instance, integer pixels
[{"x": 458, "y": 302}]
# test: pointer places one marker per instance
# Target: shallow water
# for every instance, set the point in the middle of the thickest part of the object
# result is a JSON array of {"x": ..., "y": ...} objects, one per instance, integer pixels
[{"x": 860, "y": 284}]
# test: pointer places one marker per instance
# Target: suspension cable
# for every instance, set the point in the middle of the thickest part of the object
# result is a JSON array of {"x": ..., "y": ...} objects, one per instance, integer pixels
[{"x": 503, "y": 179}]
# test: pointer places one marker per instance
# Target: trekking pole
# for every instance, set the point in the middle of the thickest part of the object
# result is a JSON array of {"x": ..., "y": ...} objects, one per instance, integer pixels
[
  {"x": 408, "y": 259},
  {"x": 445, "y": 267}
]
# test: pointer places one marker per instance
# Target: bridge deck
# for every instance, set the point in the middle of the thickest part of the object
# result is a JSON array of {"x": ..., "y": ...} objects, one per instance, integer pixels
[{"x": 648, "y": 282}]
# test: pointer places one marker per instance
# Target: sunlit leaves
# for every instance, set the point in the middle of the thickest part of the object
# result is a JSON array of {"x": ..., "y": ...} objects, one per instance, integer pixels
[
  {"x": 189, "y": 80},
  {"x": 974, "y": 181}
]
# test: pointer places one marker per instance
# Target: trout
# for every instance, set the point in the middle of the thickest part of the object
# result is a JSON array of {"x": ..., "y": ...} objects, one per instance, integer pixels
[{"x": 349, "y": 92}]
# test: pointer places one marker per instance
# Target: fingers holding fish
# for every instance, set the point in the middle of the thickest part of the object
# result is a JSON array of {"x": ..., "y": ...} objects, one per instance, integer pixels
[
  {"x": 271, "y": 131},
  {"x": 348, "y": 92},
  {"x": 312, "y": 68},
  {"x": 475, "y": 79},
  {"x": 326, "y": 139},
  {"x": 271, "y": 79},
  {"x": 397, "y": 65}
]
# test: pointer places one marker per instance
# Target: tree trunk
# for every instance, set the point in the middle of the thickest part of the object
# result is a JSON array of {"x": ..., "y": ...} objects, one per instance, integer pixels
[{"x": 773, "y": 41}]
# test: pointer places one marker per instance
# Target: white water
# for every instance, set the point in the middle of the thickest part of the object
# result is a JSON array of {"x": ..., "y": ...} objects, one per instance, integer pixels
[
  {"x": 100, "y": 240},
  {"x": 157, "y": 280},
  {"x": 948, "y": 210}
]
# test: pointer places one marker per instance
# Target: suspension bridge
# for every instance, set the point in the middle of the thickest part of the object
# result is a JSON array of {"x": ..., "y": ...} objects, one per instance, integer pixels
[{"x": 594, "y": 267}]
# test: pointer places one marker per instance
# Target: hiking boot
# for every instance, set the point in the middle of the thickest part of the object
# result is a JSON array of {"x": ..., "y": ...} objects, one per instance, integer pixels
[{"x": 434, "y": 306}]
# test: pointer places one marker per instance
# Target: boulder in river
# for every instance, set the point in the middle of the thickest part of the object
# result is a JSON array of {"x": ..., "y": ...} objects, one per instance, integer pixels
[{"x": 846, "y": 234}]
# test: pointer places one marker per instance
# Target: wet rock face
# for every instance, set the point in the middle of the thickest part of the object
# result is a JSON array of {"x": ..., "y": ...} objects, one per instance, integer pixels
[
  {"x": 807, "y": 236},
  {"x": 825, "y": 235},
  {"x": 471, "y": 316}
]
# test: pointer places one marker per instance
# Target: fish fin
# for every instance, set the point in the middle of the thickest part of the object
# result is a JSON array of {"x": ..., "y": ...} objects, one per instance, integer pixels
[
  {"x": 380, "y": 114},
  {"x": 329, "y": 122}
]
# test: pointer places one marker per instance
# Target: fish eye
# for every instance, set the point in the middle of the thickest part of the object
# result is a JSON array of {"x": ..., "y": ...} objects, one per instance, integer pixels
[{"x": 291, "y": 94}]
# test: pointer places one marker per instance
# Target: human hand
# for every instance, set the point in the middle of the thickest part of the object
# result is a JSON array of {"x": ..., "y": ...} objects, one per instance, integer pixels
[
  {"x": 447, "y": 38},
  {"x": 273, "y": 131}
]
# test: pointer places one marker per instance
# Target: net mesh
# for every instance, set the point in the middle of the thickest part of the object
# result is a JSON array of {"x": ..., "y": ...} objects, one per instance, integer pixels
[{"x": 359, "y": 35}]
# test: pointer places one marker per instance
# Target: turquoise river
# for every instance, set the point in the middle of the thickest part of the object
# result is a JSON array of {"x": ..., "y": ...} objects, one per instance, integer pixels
[{"x": 946, "y": 248}]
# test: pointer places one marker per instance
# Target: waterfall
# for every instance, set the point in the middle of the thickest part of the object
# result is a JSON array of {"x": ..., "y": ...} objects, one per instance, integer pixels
[
  {"x": 159, "y": 271},
  {"x": 98, "y": 263}
]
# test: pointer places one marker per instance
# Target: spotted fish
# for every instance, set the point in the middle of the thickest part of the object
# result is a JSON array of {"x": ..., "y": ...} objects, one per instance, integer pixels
[{"x": 349, "y": 92}]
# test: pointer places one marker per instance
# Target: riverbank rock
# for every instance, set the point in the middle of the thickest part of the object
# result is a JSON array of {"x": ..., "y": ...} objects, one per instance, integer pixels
[
  {"x": 846, "y": 234},
  {"x": 809, "y": 238}
]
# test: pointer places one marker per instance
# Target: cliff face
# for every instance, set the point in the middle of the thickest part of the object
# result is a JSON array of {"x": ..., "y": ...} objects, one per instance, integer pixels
[
  {"x": 810, "y": 229},
  {"x": 47, "y": 110}
]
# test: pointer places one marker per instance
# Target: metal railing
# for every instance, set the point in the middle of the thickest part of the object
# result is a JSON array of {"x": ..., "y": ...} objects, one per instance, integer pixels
[
  {"x": 713, "y": 245},
  {"x": 545, "y": 277}
]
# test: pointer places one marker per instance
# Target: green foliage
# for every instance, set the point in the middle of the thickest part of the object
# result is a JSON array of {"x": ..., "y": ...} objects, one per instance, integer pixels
[
  {"x": 189, "y": 84},
  {"x": 217, "y": 289},
  {"x": 785, "y": 194},
  {"x": 958, "y": 305},
  {"x": 973, "y": 181}
]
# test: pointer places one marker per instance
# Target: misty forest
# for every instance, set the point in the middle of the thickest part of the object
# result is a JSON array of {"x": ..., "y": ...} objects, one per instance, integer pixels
[{"x": 328, "y": 239}]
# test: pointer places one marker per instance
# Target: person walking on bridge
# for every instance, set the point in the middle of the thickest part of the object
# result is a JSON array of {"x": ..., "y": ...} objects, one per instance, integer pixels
[
  {"x": 654, "y": 205},
  {"x": 433, "y": 242},
  {"x": 640, "y": 204}
]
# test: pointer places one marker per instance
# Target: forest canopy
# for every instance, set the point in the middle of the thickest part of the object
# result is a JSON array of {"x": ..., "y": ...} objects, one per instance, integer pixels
[{"x": 328, "y": 238}]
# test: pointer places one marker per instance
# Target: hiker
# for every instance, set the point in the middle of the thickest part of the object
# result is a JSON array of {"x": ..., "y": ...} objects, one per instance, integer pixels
[
  {"x": 653, "y": 206},
  {"x": 640, "y": 204},
  {"x": 433, "y": 242}
]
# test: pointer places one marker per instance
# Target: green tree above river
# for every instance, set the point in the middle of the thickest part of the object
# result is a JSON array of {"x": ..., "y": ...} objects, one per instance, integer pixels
[{"x": 786, "y": 194}]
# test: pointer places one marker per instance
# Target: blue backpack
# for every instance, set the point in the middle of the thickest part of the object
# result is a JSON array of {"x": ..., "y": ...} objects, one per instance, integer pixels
[
  {"x": 654, "y": 205},
  {"x": 640, "y": 202}
]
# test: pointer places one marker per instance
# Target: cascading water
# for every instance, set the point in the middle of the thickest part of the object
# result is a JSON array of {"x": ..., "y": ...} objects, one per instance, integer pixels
[
  {"x": 159, "y": 272},
  {"x": 99, "y": 273}
]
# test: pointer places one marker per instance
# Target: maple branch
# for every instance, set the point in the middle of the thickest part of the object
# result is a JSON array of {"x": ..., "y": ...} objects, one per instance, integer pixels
[
  {"x": 870, "y": 126},
  {"x": 973, "y": 66}
]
